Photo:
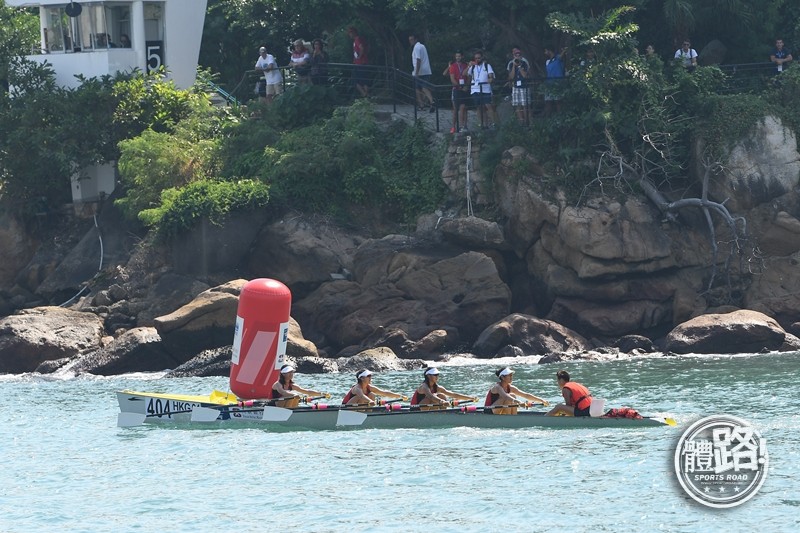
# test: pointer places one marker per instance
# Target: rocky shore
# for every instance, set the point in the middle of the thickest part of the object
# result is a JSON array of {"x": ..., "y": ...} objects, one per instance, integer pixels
[{"x": 603, "y": 279}]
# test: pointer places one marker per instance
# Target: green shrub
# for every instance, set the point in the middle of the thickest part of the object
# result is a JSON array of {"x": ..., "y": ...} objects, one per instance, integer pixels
[{"x": 181, "y": 209}]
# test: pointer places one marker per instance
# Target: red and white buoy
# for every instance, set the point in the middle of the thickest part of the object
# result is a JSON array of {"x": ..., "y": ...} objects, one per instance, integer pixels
[{"x": 260, "y": 337}]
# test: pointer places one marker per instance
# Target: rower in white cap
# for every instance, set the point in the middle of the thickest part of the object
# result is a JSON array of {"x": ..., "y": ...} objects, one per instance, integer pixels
[
  {"x": 431, "y": 395},
  {"x": 364, "y": 392},
  {"x": 286, "y": 393},
  {"x": 504, "y": 393}
]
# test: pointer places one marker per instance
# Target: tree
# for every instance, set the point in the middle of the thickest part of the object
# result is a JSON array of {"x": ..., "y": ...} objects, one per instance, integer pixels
[{"x": 19, "y": 34}]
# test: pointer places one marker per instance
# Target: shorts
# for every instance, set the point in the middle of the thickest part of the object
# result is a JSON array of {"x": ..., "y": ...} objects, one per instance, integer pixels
[
  {"x": 480, "y": 99},
  {"x": 459, "y": 98},
  {"x": 423, "y": 82},
  {"x": 519, "y": 96},
  {"x": 581, "y": 412},
  {"x": 274, "y": 89},
  {"x": 552, "y": 90},
  {"x": 361, "y": 75}
]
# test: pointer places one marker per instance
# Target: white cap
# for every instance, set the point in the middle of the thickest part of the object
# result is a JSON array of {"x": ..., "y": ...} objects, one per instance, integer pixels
[
  {"x": 364, "y": 374},
  {"x": 262, "y": 49},
  {"x": 432, "y": 371},
  {"x": 506, "y": 371},
  {"x": 286, "y": 369}
]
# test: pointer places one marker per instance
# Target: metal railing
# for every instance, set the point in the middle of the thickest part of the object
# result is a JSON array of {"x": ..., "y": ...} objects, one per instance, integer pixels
[{"x": 392, "y": 86}]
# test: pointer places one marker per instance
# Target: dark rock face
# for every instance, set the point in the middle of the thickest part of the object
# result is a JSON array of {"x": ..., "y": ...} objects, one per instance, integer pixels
[
  {"x": 137, "y": 350},
  {"x": 737, "y": 332},
  {"x": 214, "y": 362},
  {"x": 33, "y": 336},
  {"x": 410, "y": 289},
  {"x": 533, "y": 336}
]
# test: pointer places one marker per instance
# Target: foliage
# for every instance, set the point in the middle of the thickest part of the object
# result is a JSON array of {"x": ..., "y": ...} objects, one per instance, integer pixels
[
  {"x": 346, "y": 164},
  {"x": 300, "y": 106},
  {"x": 154, "y": 162},
  {"x": 59, "y": 130},
  {"x": 728, "y": 118},
  {"x": 19, "y": 34},
  {"x": 181, "y": 208}
]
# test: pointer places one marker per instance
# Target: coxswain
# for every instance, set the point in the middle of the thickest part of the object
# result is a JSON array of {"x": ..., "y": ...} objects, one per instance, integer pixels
[
  {"x": 430, "y": 395},
  {"x": 577, "y": 397},
  {"x": 504, "y": 393},
  {"x": 364, "y": 392},
  {"x": 286, "y": 394}
]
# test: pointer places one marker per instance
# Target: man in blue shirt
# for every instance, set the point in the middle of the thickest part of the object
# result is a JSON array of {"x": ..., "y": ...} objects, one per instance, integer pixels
[
  {"x": 554, "y": 65},
  {"x": 780, "y": 56}
]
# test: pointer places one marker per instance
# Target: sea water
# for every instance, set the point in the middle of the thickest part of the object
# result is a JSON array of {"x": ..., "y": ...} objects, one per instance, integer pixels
[{"x": 66, "y": 467}]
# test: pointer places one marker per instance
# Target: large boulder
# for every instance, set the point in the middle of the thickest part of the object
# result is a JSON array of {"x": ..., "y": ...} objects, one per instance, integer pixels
[
  {"x": 775, "y": 291},
  {"x": 205, "y": 322},
  {"x": 762, "y": 166},
  {"x": 534, "y": 336},
  {"x": 411, "y": 289},
  {"x": 302, "y": 253},
  {"x": 377, "y": 360},
  {"x": 742, "y": 331},
  {"x": 32, "y": 336},
  {"x": 137, "y": 350}
]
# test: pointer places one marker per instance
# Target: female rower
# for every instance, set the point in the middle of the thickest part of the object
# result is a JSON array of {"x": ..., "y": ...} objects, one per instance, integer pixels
[
  {"x": 577, "y": 397},
  {"x": 431, "y": 395},
  {"x": 286, "y": 393},
  {"x": 504, "y": 393},
  {"x": 363, "y": 392}
]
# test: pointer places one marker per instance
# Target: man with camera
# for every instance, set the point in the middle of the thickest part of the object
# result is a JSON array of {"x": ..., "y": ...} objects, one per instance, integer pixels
[{"x": 518, "y": 74}]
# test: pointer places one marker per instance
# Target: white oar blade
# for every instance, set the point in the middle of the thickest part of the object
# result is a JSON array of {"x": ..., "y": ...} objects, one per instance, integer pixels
[
  {"x": 127, "y": 420},
  {"x": 276, "y": 414},
  {"x": 350, "y": 418},
  {"x": 204, "y": 414}
]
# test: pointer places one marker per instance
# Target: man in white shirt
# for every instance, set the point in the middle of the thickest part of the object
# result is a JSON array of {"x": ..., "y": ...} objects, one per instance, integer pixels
[
  {"x": 687, "y": 55},
  {"x": 273, "y": 80},
  {"x": 481, "y": 75},
  {"x": 421, "y": 71}
]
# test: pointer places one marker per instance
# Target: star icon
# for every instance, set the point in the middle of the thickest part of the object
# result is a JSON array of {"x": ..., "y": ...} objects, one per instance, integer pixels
[
  {"x": 736, "y": 489},
  {"x": 708, "y": 489},
  {"x": 722, "y": 489}
]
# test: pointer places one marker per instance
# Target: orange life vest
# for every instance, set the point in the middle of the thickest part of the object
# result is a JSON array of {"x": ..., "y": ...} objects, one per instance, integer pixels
[{"x": 580, "y": 398}]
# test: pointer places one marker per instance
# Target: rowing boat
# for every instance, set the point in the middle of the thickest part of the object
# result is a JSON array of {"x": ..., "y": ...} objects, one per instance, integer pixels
[{"x": 223, "y": 409}]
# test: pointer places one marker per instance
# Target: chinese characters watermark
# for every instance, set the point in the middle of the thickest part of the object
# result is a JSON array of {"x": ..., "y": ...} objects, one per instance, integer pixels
[{"x": 721, "y": 461}]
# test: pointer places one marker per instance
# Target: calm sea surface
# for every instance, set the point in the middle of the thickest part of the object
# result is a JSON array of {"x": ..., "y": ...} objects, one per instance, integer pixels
[{"x": 67, "y": 467}]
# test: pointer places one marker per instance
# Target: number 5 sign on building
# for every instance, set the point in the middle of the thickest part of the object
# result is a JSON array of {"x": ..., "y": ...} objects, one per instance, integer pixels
[{"x": 155, "y": 55}]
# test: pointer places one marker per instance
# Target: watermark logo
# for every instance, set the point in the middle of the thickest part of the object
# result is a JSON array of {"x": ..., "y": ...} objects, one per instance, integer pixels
[{"x": 721, "y": 461}]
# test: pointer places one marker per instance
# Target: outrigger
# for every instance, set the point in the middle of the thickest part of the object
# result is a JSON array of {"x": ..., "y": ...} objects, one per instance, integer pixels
[
  {"x": 259, "y": 350},
  {"x": 225, "y": 410}
]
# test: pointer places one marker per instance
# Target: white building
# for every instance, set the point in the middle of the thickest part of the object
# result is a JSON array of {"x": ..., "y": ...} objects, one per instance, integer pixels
[{"x": 97, "y": 37}]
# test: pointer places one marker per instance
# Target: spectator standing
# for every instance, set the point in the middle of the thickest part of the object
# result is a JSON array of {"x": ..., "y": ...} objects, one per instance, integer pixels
[
  {"x": 272, "y": 83},
  {"x": 687, "y": 55},
  {"x": 554, "y": 66},
  {"x": 300, "y": 61},
  {"x": 457, "y": 71},
  {"x": 319, "y": 63},
  {"x": 481, "y": 75},
  {"x": 360, "y": 60},
  {"x": 518, "y": 76},
  {"x": 421, "y": 71},
  {"x": 780, "y": 56}
]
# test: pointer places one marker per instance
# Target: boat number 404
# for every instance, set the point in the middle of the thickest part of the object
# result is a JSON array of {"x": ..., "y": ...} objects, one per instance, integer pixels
[{"x": 159, "y": 407}]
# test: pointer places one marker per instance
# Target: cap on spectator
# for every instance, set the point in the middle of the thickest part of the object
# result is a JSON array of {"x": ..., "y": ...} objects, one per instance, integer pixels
[
  {"x": 262, "y": 49},
  {"x": 516, "y": 51}
]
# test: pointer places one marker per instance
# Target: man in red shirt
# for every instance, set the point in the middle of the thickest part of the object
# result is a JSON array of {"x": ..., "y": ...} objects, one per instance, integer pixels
[{"x": 360, "y": 60}]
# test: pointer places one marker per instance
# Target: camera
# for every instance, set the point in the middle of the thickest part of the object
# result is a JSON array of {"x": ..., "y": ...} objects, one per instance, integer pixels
[{"x": 516, "y": 61}]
